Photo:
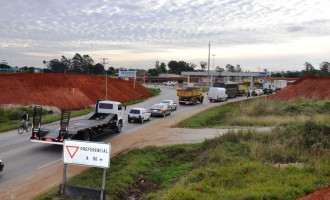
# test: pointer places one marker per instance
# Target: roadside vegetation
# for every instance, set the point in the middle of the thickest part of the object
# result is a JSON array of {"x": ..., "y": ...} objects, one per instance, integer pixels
[
  {"x": 285, "y": 163},
  {"x": 9, "y": 116},
  {"x": 260, "y": 112}
]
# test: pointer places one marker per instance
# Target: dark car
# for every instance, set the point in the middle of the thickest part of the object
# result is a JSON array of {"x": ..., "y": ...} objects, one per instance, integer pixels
[
  {"x": 1, "y": 165},
  {"x": 160, "y": 110}
]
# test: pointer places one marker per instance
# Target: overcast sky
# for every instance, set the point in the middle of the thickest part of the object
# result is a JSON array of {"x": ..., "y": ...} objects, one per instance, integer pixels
[{"x": 273, "y": 34}]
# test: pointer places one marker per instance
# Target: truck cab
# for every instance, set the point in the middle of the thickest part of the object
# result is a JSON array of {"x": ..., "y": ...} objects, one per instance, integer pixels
[{"x": 107, "y": 107}]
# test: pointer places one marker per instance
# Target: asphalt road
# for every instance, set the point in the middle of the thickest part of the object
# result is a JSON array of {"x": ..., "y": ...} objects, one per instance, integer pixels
[{"x": 23, "y": 158}]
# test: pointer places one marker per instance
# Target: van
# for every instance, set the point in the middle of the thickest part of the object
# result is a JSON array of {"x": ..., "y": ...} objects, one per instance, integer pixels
[{"x": 217, "y": 94}]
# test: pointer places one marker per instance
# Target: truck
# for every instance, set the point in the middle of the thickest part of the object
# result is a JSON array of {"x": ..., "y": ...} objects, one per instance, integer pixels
[
  {"x": 242, "y": 90},
  {"x": 190, "y": 95},
  {"x": 279, "y": 84},
  {"x": 107, "y": 118}
]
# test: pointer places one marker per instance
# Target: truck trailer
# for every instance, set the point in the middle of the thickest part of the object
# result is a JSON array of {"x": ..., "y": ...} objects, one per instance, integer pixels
[
  {"x": 190, "y": 95},
  {"x": 107, "y": 118}
]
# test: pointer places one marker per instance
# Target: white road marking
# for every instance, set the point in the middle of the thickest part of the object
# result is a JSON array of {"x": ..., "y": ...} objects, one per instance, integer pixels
[{"x": 49, "y": 163}]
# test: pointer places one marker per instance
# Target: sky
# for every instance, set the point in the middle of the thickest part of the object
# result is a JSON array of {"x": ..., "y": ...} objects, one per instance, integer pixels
[{"x": 256, "y": 34}]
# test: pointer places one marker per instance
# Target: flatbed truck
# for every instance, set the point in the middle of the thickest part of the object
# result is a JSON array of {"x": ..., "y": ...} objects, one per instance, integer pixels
[{"x": 108, "y": 117}]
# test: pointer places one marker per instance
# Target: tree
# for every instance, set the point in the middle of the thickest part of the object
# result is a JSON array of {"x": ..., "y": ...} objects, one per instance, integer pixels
[
  {"x": 162, "y": 68},
  {"x": 219, "y": 69},
  {"x": 203, "y": 65},
  {"x": 56, "y": 66},
  {"x": 97, "y": 69},
  {"x": 308, "y": 68},
  {"x": 238, "y": 68},
  {"x": 153, "y": 72},
  {"x": 230, "y": 68},
  {"x": 324, "y": 68}
]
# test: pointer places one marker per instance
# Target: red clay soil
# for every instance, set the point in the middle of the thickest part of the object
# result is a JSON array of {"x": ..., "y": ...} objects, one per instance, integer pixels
[
  {"x": 309, "y": 86},
  {"x": 65, "y": 90},
  {"x": 322, "y": 194}
]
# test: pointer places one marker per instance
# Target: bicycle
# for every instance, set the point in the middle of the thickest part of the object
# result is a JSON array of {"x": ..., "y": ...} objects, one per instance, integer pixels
[{"x": 23, "y": 127}]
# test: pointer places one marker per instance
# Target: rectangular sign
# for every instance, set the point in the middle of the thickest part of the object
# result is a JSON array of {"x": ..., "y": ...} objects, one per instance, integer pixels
[
  {"x": 127, "y": 74},
  {"x": 94, "y": 154}
]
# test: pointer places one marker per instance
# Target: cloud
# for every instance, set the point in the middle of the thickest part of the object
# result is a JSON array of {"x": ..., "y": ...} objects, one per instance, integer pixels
[{"x": 55, "y": 26}]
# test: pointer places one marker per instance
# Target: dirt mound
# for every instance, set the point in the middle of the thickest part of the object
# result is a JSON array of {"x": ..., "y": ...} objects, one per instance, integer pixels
[
  {"x": 309, "y": 86},
  {"x": 65, "y": 90},
  {"x": 322, "y": 194}
]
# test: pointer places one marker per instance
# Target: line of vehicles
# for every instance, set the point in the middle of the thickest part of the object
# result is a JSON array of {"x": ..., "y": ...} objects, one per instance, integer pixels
[{"x": 107, "y": 118}]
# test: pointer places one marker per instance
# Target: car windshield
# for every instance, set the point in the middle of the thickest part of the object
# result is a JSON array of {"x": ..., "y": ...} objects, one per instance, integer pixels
[
  {"x": 166, "y": 102},
  {"x": 134, "y": 111}
]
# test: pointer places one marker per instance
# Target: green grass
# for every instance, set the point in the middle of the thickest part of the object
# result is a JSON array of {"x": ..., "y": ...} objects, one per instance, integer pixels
[
  {"x": 258, "y": 112},
  {"x": 14, "y": 124},
  {"x": 239, "y": 165}
]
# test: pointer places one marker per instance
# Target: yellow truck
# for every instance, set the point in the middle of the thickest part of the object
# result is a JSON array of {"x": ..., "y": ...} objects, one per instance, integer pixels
[
  {"x": 242, "y": 90},
  {"x": 190, "y": 95}
]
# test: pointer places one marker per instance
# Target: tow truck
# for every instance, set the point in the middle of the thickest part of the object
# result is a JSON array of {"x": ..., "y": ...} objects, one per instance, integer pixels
[{"x": 107, "y": 118}]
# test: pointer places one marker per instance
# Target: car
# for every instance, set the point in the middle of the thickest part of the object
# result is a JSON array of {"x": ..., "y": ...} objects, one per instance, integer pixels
[
  {"x": 170, "y": 103},
  {"x": 168, "y": 83},
  {"x": 138, "y": 115},
  {"x": 160, "y": 110},
  {"x": 1, "y": 165}
]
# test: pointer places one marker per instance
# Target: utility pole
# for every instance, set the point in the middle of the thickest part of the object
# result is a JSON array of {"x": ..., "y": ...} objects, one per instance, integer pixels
[
  {"x": 106, "y": 77},
  {"x": 208, "y": 66}
]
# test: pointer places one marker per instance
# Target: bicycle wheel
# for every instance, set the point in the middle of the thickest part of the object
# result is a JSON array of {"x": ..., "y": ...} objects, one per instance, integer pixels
[
  {"x": 20, "y": 129},
  {"x": 28, "y": 129}
]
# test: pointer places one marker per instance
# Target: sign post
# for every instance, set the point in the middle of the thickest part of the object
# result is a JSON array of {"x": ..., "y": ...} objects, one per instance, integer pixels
[
  {"x": 93, "y": 154},
  {"x": 128, "y": 74}
]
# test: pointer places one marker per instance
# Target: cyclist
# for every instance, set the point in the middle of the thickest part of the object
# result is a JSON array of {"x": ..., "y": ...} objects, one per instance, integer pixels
[{"x": 25, "y": 119}]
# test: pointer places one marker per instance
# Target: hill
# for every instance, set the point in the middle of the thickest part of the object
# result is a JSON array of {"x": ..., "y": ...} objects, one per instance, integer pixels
[
  {"x": 309, "y": 86},
  {"x": 65, "y": 90}
]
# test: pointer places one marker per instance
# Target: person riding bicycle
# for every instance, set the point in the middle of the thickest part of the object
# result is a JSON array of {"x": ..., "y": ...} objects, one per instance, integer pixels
[{"x": 25, "y": 119}]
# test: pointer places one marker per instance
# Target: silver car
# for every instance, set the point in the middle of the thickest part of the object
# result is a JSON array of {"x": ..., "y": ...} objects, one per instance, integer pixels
[
  {"x": 170, "y": 103},
  {"x": 160, "y": 110}
]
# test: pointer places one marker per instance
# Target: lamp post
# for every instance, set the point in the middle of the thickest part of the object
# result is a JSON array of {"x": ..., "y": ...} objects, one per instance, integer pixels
[{"x": 213, "y": 67}]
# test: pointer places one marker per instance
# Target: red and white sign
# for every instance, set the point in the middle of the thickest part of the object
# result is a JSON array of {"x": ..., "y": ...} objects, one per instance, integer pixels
[{"x": 93, "y": 154}]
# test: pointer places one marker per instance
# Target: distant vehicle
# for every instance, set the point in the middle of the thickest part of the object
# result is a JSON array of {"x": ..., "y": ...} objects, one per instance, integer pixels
[
  {"x": 242, "y": 90},
  {"x": 1, "y": 165},
  {"x": 108, "y": 116},
  {"x": 190, "y": 95},
  {"x": 168, "y": 83},
  {"x": 260, "y": 92},
  {"x": 170, "y": 103},
  {"x": 160, "y": 110},
  {"x": 256, "y": 81},
  {"x": 268, "y": 91},
  {"x": 217, "y": 94},
  {"x": 231, "y": 88},
  {"x": 138, "y": 114}
]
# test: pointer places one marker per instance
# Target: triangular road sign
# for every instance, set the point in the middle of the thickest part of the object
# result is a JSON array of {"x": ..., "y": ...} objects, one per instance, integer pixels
[{"x": 72, "y": 150}]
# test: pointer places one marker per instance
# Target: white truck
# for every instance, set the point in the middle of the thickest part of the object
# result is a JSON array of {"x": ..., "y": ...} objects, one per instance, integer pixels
[
  {"x": 217, "y": 94},
  {"x": 280, "y": 84},
  {"x": 108, "y": 117},
  {"x": 138, "y": 114}
]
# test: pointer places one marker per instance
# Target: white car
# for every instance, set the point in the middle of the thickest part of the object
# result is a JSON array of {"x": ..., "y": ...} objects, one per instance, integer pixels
[
  {"x": 138, "y": 114},
  {"x": 170, "y": 104},
  {"x": 168, "y": 83}
]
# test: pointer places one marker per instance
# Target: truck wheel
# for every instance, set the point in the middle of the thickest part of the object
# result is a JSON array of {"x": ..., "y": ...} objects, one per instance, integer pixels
[
  {"x": 118, "y": 129},
  {"x": 129, "y": 121},
  {"x": 202, "y": 99},
  {"x": 87, "y": 136}
]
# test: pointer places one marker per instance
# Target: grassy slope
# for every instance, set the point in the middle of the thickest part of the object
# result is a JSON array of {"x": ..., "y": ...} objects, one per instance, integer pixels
[
  {"x": 239, "y": 165},
  {"x": 258, "y": 112}
]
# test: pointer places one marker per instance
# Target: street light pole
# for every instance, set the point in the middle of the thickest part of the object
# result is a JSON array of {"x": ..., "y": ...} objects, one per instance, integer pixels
[
  {"x": 213, "y": 68},
  {"x": 106, "y": 77}
]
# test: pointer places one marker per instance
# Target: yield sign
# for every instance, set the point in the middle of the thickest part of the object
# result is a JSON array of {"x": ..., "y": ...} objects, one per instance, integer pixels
[{"x": 72, "y": 150}]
